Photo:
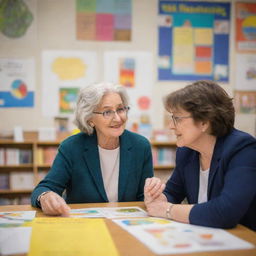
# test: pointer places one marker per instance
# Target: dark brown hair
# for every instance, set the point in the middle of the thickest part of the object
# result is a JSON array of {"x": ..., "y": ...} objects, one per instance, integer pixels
[{"x": 205, "y": 101}]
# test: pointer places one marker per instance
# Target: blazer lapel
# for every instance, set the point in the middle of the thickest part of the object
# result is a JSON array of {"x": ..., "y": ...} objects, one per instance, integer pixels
[
  {"x": 192, "y": 170},
  {"x": 125, "y": 164},
  {"x": 91, "y": 157},
  {"x": 215, "y": 163}
]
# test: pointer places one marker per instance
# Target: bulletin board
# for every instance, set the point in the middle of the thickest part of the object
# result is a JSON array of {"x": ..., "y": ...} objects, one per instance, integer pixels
[{"x": 193, "y": 40}]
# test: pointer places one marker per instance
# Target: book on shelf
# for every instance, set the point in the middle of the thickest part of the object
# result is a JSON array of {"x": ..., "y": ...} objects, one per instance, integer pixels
[
  {"x": 16, "y": 200},
  {"x": 15, "y": 156},
  {"x": 164, "y": 156},
  {"x": 46, "y": 155},
  {"x": 21, "y": 180},
  {"x": 4, "y": 181}
]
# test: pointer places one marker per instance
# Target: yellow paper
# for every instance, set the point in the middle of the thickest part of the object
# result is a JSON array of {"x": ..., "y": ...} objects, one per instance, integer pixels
[
  {"x": 203, "y": 36},
  {"x": 70, "y": 237}
]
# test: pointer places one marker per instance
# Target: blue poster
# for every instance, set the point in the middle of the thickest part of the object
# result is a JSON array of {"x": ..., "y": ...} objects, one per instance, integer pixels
[{"x": 193, "y": 40}]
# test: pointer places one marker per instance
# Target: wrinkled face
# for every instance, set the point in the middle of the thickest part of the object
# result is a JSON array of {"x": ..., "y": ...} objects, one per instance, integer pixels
[
  {"x": 109, "y": 125},
  {"x": 188, "y": 132}
]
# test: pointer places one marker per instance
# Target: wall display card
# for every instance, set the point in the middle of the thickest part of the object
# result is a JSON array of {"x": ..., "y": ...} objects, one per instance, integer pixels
[
  {"x": 108, "y": 212},
  {"x": 17, "y": 87},
  {"x": 245, "y": 72},
  {"x": 16, "y": 218},
  {"x": 246, "y": 27},
  {"x": 108, "y": 20},
  {"x": 64, "y": 73},
  {"x": 245, "y": 102},
  {"x": 193, "y": 40},
  {"x": 168, "y": 237},
  {"x": 134, "y": 70}
]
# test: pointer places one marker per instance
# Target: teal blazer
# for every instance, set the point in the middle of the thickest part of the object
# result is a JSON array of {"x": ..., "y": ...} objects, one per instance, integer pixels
[{"x": 76, "y": 172}]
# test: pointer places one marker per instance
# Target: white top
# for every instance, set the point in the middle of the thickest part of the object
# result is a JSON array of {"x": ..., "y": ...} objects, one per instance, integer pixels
[
  {"x": 203, "y": 185},
  {"x": 109, "y": 163}
]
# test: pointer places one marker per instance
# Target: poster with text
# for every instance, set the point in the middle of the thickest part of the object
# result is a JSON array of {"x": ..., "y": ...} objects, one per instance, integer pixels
[
  {"x": 17, "y": 83},
  {"x": 134, "y": 70},
  {"x": 193, "y": 40},
  {"x": 246, "y": 27},
  {"x": 108, "y": 20},
  {"x": 64, "y": 73}
]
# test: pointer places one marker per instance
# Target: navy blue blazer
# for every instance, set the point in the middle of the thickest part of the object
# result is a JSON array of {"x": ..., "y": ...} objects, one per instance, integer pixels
[
  {"x": 76, "y": 169},
  {"x": 231, "y": 187}
]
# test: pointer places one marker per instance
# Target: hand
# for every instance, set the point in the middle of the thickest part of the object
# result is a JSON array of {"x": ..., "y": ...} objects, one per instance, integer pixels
[
  {"x": 53, "y": 204},
  {"x": 153, "y": 189},
  {"x": 158, "y": 208}
]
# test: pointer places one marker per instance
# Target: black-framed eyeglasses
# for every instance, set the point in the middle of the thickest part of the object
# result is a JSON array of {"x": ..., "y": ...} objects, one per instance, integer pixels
[
  {"x": 109, "y": 114},
  {"x": 177, "y": 119}
]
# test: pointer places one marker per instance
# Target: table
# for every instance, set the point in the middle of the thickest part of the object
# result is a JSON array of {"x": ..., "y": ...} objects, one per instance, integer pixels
[{"x": 127, "y": 245}]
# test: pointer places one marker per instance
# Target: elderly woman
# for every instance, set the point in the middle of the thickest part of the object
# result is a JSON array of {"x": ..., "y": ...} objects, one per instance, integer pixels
[
  {"x": 215, "y": 163},
  {"x": 103, "y": 163}
]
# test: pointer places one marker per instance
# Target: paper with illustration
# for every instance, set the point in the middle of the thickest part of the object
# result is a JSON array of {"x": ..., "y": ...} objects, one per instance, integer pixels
[{"x": 169, "y": 237}]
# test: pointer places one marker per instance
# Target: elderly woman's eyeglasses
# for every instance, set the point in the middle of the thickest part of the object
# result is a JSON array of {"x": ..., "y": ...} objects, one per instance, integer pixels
[
  {"x": 109, "y": 114},
  {"x": 177, "y": 119}
]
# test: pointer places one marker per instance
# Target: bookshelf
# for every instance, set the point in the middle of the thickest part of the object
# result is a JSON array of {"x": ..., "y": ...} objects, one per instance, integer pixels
[
  {"x": 22, "y": 166},
  {"x": 163, "y": 158}
]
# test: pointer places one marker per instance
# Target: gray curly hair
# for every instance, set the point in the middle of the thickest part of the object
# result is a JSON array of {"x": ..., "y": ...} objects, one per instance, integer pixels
[{"x": 89, "y": 98}]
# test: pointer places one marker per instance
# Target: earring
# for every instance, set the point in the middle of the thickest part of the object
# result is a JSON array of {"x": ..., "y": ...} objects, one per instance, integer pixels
[{"x": 91, "y": 124}]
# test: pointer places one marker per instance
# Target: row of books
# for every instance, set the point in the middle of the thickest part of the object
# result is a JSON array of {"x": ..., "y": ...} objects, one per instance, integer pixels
[
  {"x": 163, "y": 156},
  {"x": 19, "y": 180},
  {"x": 46, "y": 155},
  {"x": 15, "y": 156},
  {"x": 16, "y": 200}
]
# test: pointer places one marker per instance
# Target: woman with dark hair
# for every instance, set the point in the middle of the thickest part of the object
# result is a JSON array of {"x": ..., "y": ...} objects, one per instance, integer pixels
[{"x": 215, "y": 163}]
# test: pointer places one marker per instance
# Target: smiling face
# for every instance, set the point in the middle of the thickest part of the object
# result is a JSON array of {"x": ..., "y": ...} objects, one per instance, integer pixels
[
  {"x": 109, "y": 130},
  {"x": 188, "y": 132}
]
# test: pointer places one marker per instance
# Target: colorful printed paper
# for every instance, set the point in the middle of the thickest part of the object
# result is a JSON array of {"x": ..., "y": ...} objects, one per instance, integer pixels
[
  {"x": 168, "y": 237},
  {"x": 108, "y": 212},
  {"x": 16, "y": 218}
]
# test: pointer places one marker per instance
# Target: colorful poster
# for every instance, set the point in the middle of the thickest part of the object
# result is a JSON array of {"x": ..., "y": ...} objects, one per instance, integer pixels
[
  {"x": 245, "y": 72},
  {"x": 193, "y": 40},
  {"x": 246, "y": 27},
  {"x": 134, "y": 70},
  {"x": 17, "y": 83},
  {"x": 127, "y": 72},
  {"x": 64, "y": 73},
  {"x": 108, "y": 20}
]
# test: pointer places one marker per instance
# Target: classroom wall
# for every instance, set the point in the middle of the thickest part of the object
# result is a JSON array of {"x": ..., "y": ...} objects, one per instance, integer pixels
[{"x": 54, "y": 28}]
